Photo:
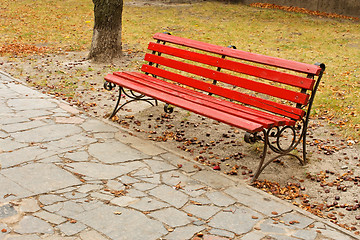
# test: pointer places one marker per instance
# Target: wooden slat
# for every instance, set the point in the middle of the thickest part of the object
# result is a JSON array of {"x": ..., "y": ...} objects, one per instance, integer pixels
[
  {"x": 231, "y": 105},
  {"x": 274, "y": 107},
  {"x": 188, "y": 105},
  {"x": 253, "y": 57},
  {"x": 296, "y": 97},
  {"x": 280, "y": 77}
]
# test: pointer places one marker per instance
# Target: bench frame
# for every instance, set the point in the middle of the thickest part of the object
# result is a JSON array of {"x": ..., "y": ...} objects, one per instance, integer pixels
[{"x": 267, "y": 135}]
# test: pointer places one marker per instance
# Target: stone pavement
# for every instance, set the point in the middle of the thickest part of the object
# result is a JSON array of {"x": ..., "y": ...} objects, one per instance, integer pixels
[{"x": 66, "y": 175}]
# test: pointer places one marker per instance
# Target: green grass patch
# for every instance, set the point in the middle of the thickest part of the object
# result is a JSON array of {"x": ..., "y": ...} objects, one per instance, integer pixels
[{"x": 67, "y": 25}]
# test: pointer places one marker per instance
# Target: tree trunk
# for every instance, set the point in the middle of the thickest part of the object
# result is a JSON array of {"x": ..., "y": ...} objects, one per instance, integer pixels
[{"x": 106, "y": 40}]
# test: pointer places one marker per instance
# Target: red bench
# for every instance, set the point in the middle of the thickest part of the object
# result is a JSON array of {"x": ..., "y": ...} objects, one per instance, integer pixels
[{"x": 263, "y": 95}]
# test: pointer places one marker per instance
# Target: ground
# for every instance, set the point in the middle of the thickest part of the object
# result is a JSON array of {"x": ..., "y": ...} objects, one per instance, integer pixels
[{"x": 327, "y": 186}]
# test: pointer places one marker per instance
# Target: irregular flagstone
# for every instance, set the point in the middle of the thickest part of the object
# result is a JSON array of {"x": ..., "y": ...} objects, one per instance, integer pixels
[
  {"x": 268, "y": 226},
  {"x": 302, "y": 221},
  {"x": 22, "y": 237},
  {"x": 91, "y": 235},
  {"x": 159, "y": 166},
  {"x": 98, "y": 170},
  {"x": 93, "y": 125},
  {"x": 235, "y": 219},
  {"x": 305, "y": 234},
  {"x": 257, "y": 201},
  {"x": 147, "y": 204},
  {"x": 186, "y": 165},
  {"x": 44, "y": 177},
  {"x": 29, "y": 103},
  {"x": 171, "y": 217},
  {"x": 70, "y": 229},
  {"x": 29, "y": 205},
  {"x": 21, "y": 155},
  {"x": 220, "y": 199},
  {"x": 202, "y": 211},
  {"x": 170, "y": 195},
  {"x": 213, "y": 179},
  {"x": 124, "y": 201},
  {"x": 10, "y": 145},
  {"x": 50, "y": 217},
  {"x": 125, "y": 224},
  {"x": 30, "y": 224},
  {"x": 47, "y": 133},
  {"x": 17, "y": 127},
  {"x": 181, "y": 233},
  {"x": 79, "y": 156},
  {"x": 7, "y": 210},
  {"x": 50, "y": 199},
  {"x": 10, "y": 190},
  {"x": 115, "y": 152}
]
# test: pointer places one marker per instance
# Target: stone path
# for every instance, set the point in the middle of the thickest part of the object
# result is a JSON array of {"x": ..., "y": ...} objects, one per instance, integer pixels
[{"x": 65, "y": 175}]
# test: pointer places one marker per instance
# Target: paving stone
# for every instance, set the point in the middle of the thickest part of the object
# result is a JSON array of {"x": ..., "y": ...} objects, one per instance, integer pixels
[
  {"x": 50, "y": 199},
  {"x": 171, "y": 217},
  {"x": 29, "y": 205},
  {"x": 135, "y": 193},
  {"x": 69, "y": 120},
  {"x": 10, "y": 145},
  {"x": 7, "y": 210},
  {"x": 148, "y": 204},
  {"x": 22, "y": 237},
  {"x": 127, "y": 180},
  {"x": 75, "y": 195},
  {"x": 222, "y": 233},
  {"x": 30, "y": 224},
  {"x": 44, "y": 177},
  {"x": 50, "y": 217},
  {"x": 333, "y": 234},
  {"x": 235, "y": 219},
  {"x": 173, "y": 159},
  {"x": 97, "y": 170},
  {"x": 305, "y": 234},
  {"x": 77, "y": 156},
  {"x": 68, "y": 108},
  {"x": 34, "y": 114},
  {"x": 93, "y": 125},
  {"x": 268, "y": 226},
  {"x": 115, "y": 152},
  {"x": 124, "y": 201},
  {"x": 147, "y": 147},
  {"x": 122, "y": 226},
  {"x": 159, "y": 166},
  {"x": 88, "y": 188},
  {"x": 17, "y": 127},
  {"x": 115, "y": 185},
  {"x": 101, "y": 196},
  {"x": 257, "y": 201},
  {"x": 20, "y": 156},
  {"x": 3, "y": 135},
  {"x": 70, "y": 229},
  {"x": 213, "y": 179},
  {"x": 91, "y": 235},
  {"x": 60, "y": 237},
  {"x": 146, "y": 175},
  {"x": 54, "y": 207},
  {"x": 281, "y": 237},
  {"x": 181, "y": 233},
  {"x": 69, "y": 143},
  {"x": 28, "y": 103},
  {"x": 170, "y": 195},
  {"x": 10, "y": 190},
  {"x": 303, "y": 221},
  {"x": 220, "y": 199},
  {"x": 70, "y": 209},
  {"x": 253, "y": 236},
  {"x": 202, "y": 211}
]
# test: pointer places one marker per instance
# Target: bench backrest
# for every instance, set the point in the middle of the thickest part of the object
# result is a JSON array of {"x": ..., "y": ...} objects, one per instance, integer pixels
[{"x": 265, "y": 79}]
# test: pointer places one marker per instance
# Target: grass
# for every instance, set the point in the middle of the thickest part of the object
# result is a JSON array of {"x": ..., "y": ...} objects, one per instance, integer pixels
[{"x": 51, "y": 25}]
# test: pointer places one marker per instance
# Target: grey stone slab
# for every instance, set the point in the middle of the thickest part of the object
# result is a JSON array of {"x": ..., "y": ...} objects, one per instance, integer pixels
[
  {"x": 3, "y": 134},
  {"x": 54, "y": 207},
  {"x": 29, "y": 205},
  {"x": 333, "y": 234},
  {"x": 147, "y": 147},
  {"x": 98, "y": 170},
  {"x": 257, "y": 201},
  {"x": 10, "y": 145},
  {"x": 28, "y": 103},
  {"x": 268, "y": 226},
  {"x": 34, "y": 114},
  {"x": 220, "y": 199},
  {"x": 130, "y": 224},
  {"x": 148, "y": 204},
  {"x": 253, "y": 236},
  {"x": 91, "y": 235},
  {"x": 17, "y": 127},
  {"x": 10, "y": 190},
  {"x": 202, "y": 211},
  {"x": 7, "y": 210},
  {"x": 159, "y": 166},
  {"x": 50, "y": 199},
  {"x": 186, "y": 232},
  {"x": 222, "y": 233},
  {"x": 70, "y": 209},
  {"x": 235, "y": 219},
  {"x": 50, "y": 217},
  {"x": 19, "y": 156},
  {"x": 302, "y": 221},
  {"x": 115, "y": 185},
  {"x": 305, "y": 234},
  {"x": 101, "y": 196},
  {"x": 281, "y": 237},
  {"x": 77, "y": 156},
  {"x": 22, "y": 237},
  {"x": 69, "y": 229},
  {"x": 146, "y": 175},
  {"x": 124, "y": 201},
  {"x": 96, "y": 126},
  {"x": 143, "y": 186},
  {"x": 44, "y": 177},
  {"x": 213, "y": 179},
  {"x": 171, "y": 217},
  {"x": 30, "y": 224},
  {"x": 136, "y": 193},
  {"x": 170, "y": 195},
  {"x": 175, "y": 160},
  {"x": 75, "y": 195},
  {"x": 69, "y": 143},
  {"x": 25, "y": 91},
  {"x": 47, "y": 133},
  {"x": 88, "y": 188},
  {"x": 115, "y": 152}
]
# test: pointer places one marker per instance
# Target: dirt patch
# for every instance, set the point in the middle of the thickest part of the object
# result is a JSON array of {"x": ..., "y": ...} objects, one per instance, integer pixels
[{"x": 327, "y": 186}]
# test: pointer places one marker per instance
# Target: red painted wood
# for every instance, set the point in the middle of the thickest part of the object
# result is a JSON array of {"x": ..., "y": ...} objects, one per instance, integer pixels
[
  {"x": 280, "y": 77},
  {"x": 252, "y": 57},
  {"x": 186, "y": 104},
  {"x": 285, "y": 94},
  {"x": 285, "y": 110},
  {"x": 279, "y": 121}
]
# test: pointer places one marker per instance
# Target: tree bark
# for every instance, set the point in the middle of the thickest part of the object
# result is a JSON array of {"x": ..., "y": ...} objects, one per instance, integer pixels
[{"x": 106, "y": 41}]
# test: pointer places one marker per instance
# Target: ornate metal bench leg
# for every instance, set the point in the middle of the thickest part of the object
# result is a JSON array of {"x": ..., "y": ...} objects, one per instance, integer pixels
[
  {"x": 263, "y": 156},
  {"x": 117, "y": 108}
]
